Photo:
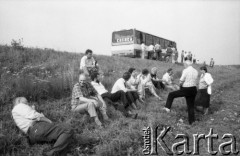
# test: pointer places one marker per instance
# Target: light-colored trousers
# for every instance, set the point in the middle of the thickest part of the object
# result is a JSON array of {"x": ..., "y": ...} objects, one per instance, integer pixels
[{"x": 90, "y": 107}]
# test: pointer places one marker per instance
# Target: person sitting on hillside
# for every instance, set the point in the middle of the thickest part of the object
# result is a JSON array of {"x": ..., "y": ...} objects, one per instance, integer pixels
[
  {"x": 113, "y": 97},
  {"x": 146, "y": 82},
  {"x": 155, "y": 80},
  {"x": 167, "y": 80},
  {"x": 202, "y": 100},
  {"x": 39, "y": 128},
  {"x": 132, "y": 94},
  {"x": 86, "y": 98},
  {"x": 88, "y": 63}
]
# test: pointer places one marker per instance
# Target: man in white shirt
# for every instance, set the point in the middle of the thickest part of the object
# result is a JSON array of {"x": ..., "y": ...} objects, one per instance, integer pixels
[
  {"x": 167, "y": 80},
  {"x": 188, "y": 83},
  {"x": 157, "y": 51},
  {"x": 121, "y": 84},
  {"x": 150, "y": 51},
  {"x": 114, "y": 97},
  {"x": 39, "y": 128},
  {"x": 88, "y": 64}
]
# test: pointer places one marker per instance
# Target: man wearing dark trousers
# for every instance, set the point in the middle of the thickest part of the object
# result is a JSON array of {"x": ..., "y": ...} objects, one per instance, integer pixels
[
  {"x": 114, "y": 97},
  {"x": 39, "y": 128},
  {"x": 188, "y": 89}
]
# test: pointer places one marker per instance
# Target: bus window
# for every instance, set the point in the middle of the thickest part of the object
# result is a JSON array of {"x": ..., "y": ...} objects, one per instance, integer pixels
[
  {"x": 139, "y": 37},
  {"x": 122, "y": 37},
  {"x": 149, "y": 40},
  {"x": 156, "y": 40}
]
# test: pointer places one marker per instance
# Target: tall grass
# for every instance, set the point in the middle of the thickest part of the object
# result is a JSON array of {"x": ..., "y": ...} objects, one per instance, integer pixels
[{"x": 46, "y": 76}]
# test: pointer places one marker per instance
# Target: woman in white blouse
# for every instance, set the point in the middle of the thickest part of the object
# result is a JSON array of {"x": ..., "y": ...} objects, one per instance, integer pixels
[{"x": 202, "y": 100}]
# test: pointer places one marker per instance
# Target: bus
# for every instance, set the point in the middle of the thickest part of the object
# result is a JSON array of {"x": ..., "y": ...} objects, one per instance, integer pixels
[{"x": 128, "y": 43}]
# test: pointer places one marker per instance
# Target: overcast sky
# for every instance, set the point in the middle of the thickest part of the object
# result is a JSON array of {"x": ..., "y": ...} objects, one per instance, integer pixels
[{"x": 207, "y": 28}]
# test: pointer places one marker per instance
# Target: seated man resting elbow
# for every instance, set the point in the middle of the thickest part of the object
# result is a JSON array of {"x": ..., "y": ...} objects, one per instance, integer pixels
[{"x": 86, "y": 98}]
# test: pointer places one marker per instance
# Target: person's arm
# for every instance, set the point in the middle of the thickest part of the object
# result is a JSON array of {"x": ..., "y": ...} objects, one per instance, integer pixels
[
  {"x": 101, "y": 99},
  {"x": 182, "y": 79},
  {"x": 83, "y": 62}
]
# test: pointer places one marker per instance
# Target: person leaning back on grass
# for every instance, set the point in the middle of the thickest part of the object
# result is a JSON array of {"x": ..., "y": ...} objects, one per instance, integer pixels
[
  {"x": 39, "y": 128},
  {"x": 86, "y": 98},
  {"x": 88, "y": 63}
]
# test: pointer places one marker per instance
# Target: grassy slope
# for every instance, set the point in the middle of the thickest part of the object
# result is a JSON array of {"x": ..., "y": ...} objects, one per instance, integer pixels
[{"x": 46, "y": 77}]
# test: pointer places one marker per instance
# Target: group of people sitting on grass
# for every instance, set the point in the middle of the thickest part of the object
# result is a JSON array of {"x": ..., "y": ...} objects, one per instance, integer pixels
[{"x": 90, "y": 95}]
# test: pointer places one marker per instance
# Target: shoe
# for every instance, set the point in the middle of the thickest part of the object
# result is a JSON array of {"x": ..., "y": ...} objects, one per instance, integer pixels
[
  {"x": 129, "y": 114},
  {"x": 166, "y": 109}
]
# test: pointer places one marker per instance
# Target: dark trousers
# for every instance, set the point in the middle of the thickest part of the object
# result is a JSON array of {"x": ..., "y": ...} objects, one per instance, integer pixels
[
  {"x": 132, "y": 96},
  {"x": 189, "y": 93},
  {"x": 158, "y": 84},
  {"x": 48, "y": 132},
  {"x": 119, "y": 95}
]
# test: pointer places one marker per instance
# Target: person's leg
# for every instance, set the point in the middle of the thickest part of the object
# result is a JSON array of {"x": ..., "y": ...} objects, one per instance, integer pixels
[
  {"x": 63, "y": 136},
  {"x": 190, "y": 105},
  {"x": 173, "y": 95},
  {"x": 90, "y": 107},
  {"x": 131, "y": 98}
]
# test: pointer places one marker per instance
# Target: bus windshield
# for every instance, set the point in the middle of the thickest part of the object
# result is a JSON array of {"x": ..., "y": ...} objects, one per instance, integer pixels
[{"x": 122, "y": 37}]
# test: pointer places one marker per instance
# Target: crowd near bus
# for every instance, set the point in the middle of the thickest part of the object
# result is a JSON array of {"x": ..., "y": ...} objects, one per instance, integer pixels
[{"x": 129, "y": 92}]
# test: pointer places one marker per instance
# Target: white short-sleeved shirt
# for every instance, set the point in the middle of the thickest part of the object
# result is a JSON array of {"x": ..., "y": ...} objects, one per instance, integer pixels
[
  {"x": 85, "y": 61},
  {"x": 150, "y": 48},
  {"x": 119, "y": 85},
  {"x": 167, "y": 79},
  {"x": 189, "y": 77},
  {"x": 99, "y": 87}
]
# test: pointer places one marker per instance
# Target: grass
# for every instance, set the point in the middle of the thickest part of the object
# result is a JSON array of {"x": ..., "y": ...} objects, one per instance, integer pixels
[{"x": 46, "y": 77}]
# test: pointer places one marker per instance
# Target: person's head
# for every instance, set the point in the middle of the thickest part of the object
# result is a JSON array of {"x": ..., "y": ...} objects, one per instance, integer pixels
[
  {"x": 88, "y": 53},
  {"x": 187, "y": 63},
  {"x": 82, "y": 79},
  {"x": 203, "y": 69},
  {"x": 211, "y": 58},
  {"x": 126, "y": 76},
  {"x": 170, "y": 71},
  {"x": 95, "y": 76},
  {"x": 131, "y": 70},
  {"x": 20, "y": 100},
  {"x": 154, "y": 70},
  {"x": 182, "y": 51},
  {"x": 145, "y": 72}
]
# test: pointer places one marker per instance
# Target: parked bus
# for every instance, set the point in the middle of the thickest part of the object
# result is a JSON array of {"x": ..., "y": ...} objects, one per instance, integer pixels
[{"x": 128, "y": 43}]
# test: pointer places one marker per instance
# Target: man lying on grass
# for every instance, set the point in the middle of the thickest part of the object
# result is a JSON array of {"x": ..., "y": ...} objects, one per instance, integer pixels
[
  {"x": 113, "y": 97},
  {"x": 86, "y": 99},
  {"x": 39, "y": 128}
]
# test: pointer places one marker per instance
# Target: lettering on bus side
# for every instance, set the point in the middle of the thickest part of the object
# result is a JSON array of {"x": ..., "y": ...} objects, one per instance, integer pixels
[{"x": 125, "y": 39}]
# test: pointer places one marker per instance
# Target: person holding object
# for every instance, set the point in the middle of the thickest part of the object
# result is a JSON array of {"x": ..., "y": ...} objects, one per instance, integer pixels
[
  {"x": 88, "y": 63},
  {"x": 86, "y": 98},
  {"x": 202, "y": 100},
  {"x": 39, "y": 128},
  {"x": 188, "y": 89}
]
